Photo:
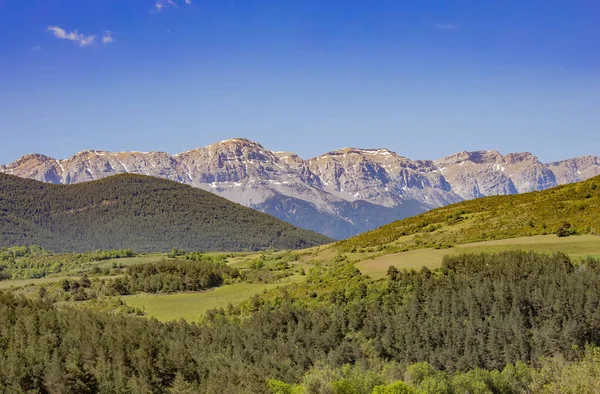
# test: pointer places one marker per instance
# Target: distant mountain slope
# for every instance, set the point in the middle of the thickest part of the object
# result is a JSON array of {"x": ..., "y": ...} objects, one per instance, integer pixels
[
  {"x": 138, "y": 212},
  {"x": 340, "y": 194},
  {"x": 480, "y": 174},
  {"x": 568, "y": 209}
]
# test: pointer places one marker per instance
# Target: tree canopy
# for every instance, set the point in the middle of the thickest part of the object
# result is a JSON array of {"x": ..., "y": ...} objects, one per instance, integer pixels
[{"x": 133, "y": 211}]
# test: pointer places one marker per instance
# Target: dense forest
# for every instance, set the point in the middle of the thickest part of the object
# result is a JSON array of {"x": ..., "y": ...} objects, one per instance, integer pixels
[
  {"x": 563, "y": 210},
  {"x": 137, "y": 212},
  {"x": 482, "y": 323}
]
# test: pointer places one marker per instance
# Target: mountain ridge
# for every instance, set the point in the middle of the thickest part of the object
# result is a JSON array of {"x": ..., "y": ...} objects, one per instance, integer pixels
[
  {"x": 147, "y": 214},
  {"x": 339, "y": 193}
]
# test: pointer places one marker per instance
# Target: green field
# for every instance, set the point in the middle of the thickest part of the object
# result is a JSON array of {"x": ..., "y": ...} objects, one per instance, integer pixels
[
  {"x": 191, "y": 306},
  {"x": 128, "y": 261},
  {"x": 575, "y": 246},
  {"x": 5, "y": 284}
]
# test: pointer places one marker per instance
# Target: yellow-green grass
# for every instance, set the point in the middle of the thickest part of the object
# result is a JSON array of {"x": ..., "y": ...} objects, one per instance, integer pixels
[
  {"x": 129, "y": 261},
  {"x": 568, "y": 209},
  {"x": 303, "y": 257},
  {"x": 192, "y": 306},
  {"x": 13, "y": 283},
  {"x": 236, "y": 260},
  {"x": 5, "y": 284},
  {"x": 575, "y": 246},
  {"x": 242, "y": 260}
]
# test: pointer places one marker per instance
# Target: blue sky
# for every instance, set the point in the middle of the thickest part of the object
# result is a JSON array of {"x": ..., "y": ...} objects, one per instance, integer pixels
[{"x": 423, "y": 78}]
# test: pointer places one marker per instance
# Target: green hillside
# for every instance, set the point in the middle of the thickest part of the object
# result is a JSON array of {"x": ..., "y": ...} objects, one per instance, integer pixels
[
  {"x": 137, "y": 212},
  {"x": 564, "y": 210}
]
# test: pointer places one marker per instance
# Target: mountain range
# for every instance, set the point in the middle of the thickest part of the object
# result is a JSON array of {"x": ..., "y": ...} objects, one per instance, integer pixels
[{"x": 339, "y": 194}]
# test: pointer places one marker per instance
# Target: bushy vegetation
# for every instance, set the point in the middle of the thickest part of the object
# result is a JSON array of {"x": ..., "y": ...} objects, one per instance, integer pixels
[
  {"x": 142, "y": 213},
  {"x": 550, "y": 375},
  {"x": 171, "y": 276},
  {"x": 162, "y": 277},
  {"x": 27, "y": 262},
  {"x": 197, "y": 256},
  {"x": 564, "y": 210},
  {"x": 471, "y": 326}
]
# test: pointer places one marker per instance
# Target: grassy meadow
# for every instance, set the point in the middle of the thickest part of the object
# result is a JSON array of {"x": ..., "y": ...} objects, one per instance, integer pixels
[
  {"x": 7, "y": 284},
  {"x": 565, "y": 210},
  {"x": 575, "y": 246},
  {"x": 192, "y": 306},
  {"x": 127, "y": 262}
]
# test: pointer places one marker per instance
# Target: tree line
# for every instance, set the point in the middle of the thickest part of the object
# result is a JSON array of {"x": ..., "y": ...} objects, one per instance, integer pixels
[{"x": 166, "y": 276}]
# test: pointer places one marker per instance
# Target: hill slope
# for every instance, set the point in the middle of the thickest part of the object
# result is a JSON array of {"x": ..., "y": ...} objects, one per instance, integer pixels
[
  {"x": 568, "y": 209},
  {"x": 138, "y": 212}
]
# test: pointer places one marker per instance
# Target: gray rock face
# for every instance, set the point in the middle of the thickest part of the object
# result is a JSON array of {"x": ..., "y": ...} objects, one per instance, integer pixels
[
  {"x": 35, "y": 166},
  {"x": 381, "y": 177},
  {"x": 487, "y": 173},
  {"x": 528, "y": 173},
  {"x": 575, "y": 170},
  {"x": 340, "y": 193}
]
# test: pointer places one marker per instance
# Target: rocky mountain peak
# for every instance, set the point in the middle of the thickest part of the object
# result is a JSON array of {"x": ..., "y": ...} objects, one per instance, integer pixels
[
  {"x": 380, "y": 176},
  {"x": 475, "y": 157},
  {"x": 237, "y": 145},
  {"x": 32, "y": 158},
  {"x": 514, "y": 158},
  {"x": 35, "y": 166},
  {"x": 356, "y": 152},
  {"x": 89, "y": 153},
  {"x": 234, "y": 151},
  {"x": 290, "y": 158}
]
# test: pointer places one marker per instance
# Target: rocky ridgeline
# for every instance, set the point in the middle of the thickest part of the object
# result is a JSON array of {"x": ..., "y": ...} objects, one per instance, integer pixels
[{"x": 340, "y": 193}]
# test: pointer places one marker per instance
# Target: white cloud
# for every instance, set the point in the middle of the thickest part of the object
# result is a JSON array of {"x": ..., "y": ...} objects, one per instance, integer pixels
[
  {"x": 81, "y": 39},
  {"x": 107, "y": 38},
  {"x": 36, "y": 48},
  {"x": 161, "y": 5}
]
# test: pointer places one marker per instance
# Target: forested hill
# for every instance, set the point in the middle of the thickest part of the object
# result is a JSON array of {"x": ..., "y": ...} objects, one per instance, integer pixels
[
  {"x": 563, "y": 210},
  {"x": 137, "y": 212}
]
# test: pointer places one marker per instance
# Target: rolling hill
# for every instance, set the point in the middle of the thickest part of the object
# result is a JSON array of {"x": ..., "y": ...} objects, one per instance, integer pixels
[
  {"x": 138, "y": 212},
  {"x": 563, "y": 210}
]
